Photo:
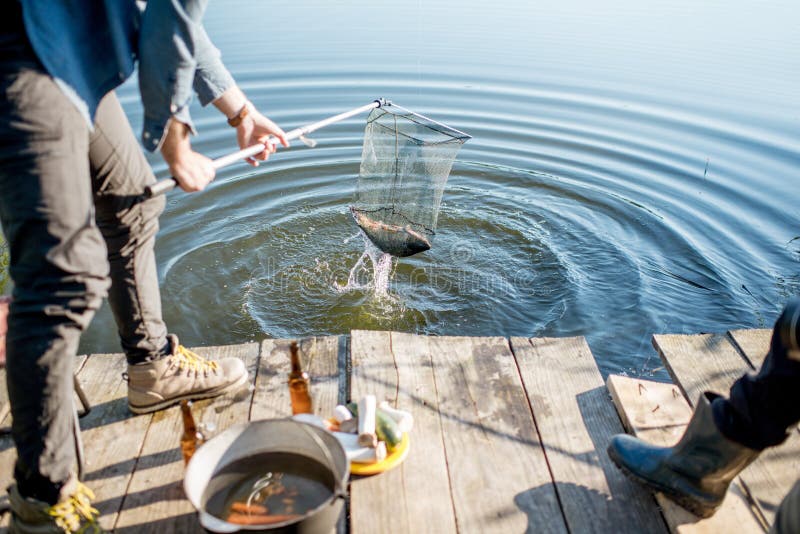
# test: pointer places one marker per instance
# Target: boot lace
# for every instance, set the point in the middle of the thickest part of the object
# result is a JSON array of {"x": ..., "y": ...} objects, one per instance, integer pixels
[
  {"x": 187, "y": 359},
  {"x": 76, "y": 514}
]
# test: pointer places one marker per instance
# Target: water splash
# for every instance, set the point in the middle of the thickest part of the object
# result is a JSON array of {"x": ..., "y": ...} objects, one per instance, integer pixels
[{"x": 372, "y": 271}]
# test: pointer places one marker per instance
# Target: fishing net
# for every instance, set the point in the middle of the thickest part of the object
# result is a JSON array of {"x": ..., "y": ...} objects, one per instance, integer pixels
[{"x": 405, "y": 163}]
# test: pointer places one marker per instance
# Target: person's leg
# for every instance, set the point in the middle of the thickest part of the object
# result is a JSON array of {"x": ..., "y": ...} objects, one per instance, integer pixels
[
  {"x": 696, "y": 471},
  {"x": 160, "y": 371},
  {"x": 762, "y": 407},
  {"x": 57, "y": 262},
  {"x": 724, "y": 435},
  {"x": 129, "y": 223},
  {"x": 787, "y": 519}
]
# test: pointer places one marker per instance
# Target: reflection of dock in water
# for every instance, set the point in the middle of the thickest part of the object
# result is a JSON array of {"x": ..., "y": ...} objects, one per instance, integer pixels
[{"x": 510, "y": 435}]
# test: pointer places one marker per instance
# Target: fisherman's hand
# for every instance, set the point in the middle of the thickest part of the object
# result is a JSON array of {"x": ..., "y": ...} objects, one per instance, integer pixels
[
  {"x": 255, "y": 128},
  {"x": 192, "y": 171}
]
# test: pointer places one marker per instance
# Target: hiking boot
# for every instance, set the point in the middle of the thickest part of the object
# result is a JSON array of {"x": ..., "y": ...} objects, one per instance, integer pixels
[
  {"x": 695, "y": 472},
  {"x": 73, "y": 512},
  {"x": 181, "y": 375}
]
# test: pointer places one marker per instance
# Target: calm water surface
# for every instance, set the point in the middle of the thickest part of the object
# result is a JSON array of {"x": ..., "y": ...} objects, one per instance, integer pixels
[{"x": 633, "y": 171}]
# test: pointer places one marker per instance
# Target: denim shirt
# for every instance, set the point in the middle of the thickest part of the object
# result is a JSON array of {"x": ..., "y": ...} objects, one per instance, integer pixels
[{"x": 91, "y": 46}]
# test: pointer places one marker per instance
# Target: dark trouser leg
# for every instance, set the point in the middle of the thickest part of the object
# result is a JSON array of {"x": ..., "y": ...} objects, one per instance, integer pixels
[
  {"x": 762, "y": 407},
  {"x": 787, "y": 520},
  {"x": 129, "y": 223},
  {"x": 57, "y": 262}
]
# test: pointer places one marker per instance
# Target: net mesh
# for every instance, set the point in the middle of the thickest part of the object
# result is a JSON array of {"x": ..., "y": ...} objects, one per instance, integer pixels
[{"x": 405, "y": 163}]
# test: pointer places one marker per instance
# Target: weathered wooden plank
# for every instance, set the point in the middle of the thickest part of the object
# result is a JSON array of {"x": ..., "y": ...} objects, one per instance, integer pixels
[
  {"x": 658, "y": 413},
  {"x": 653, "y": 411},
  {"x": 576, "y": 420},
  {"x": 498, "y": 471},
  {"x": 322, "y": 364},
  {"x": 711, "y": 362},
  {"x": 271, "y": 395},
  {"x": 702, "y": 362},
  {"x": 155, "y": 501},
  {"x": 416, "y": 495},
  {"x": 320, "y": 359},
  {"x": 112, "y": 435},
  {"x": 754, "y": 344}
]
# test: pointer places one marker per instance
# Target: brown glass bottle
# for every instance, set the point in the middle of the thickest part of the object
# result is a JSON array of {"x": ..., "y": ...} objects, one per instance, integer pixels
[
  {"x": 189, "y": 438},
  {"x": 298, "y": 384}
]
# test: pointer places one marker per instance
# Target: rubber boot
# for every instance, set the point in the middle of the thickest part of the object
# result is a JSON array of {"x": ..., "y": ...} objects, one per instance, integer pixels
[{"x": 696, "y": 472}]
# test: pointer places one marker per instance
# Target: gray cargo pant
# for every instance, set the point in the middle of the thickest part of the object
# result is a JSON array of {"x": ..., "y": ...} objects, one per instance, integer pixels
[
  {"x": 74, "y": 217},
  {"x": 787, "y": 519}
]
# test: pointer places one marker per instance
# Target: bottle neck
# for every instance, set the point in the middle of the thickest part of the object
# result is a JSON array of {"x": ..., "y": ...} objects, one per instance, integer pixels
[
  {"x": 295, "y": 358},
  {"x": 296, "y": 369},
  {"x": 188, "y": 418}
]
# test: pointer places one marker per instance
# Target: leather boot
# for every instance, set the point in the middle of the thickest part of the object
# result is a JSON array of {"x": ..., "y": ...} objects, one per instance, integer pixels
[
  {"x": 696, "y": 472},
  {"x": 73, "y": 513},
  {"x": 181, "y": 375}
]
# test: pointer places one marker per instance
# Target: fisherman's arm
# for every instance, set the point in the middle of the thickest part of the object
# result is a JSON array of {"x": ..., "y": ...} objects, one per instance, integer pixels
[
  {"x": 213, "y": 83},
  {"x": 176, "y": 56}
]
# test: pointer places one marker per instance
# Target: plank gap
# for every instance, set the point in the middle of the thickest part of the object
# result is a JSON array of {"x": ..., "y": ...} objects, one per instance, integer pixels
[
  {"x": 396, "y": 372},
  {"x": 133, "y": 471},
  {"x": 576, "y": 420},
  {"x": 672, "y": 374},
  {"x": 739, "y": 350},
  {"x": 753, "y": 344},
  {"x": 254, "y": 382},
  {"x": 343, "y": 365}
]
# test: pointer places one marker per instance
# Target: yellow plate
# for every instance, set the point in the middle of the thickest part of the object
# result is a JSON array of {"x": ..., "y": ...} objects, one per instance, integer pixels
[{"x": 395, "y": 458}]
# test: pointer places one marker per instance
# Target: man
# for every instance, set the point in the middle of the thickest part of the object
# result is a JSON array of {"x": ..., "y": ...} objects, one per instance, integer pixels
[
  {"x": 72, "y": 208},
  {"x": 725, "y": 435}
]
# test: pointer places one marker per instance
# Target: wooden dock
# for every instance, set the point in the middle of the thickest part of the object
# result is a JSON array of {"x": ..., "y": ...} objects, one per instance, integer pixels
[{"x": 510, "y": 435}]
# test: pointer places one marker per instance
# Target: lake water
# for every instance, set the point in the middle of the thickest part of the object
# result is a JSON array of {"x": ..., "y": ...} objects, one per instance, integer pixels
[{"x": 633, "y": 170}]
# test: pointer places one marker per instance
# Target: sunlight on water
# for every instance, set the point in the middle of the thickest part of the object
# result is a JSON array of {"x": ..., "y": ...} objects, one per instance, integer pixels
[{"x": 372, "y": 271}]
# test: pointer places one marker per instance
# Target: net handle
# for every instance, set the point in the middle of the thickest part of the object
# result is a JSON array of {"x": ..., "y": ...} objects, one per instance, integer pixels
[{"x": 168, "y": 184}]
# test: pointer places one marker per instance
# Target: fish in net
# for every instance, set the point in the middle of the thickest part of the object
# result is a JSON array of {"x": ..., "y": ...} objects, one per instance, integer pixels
[{"x": 405, "y": 163}]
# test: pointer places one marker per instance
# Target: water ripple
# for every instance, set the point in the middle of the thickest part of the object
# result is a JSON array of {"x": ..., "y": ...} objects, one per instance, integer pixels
[{"x": 596, "y": 207}]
